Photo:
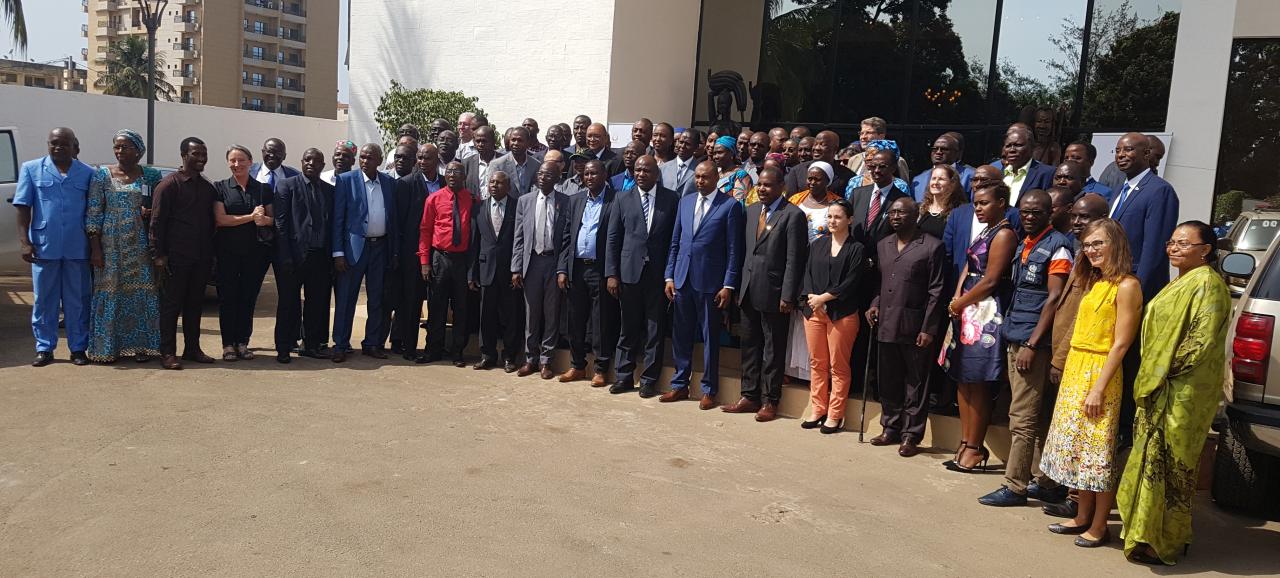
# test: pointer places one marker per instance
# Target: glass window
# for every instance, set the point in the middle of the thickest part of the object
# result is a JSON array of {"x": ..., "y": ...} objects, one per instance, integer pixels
[
  {"x": 870, "y": 58},
  {"x": 1257, "y": 234},
  {"x": 1131, "y": 45},
  {"x": 951, "y": 57},
  {"x": 795, "y": 58},
  {"x": 1250, "y": 145},
  {"x": 8, "y": 158}
]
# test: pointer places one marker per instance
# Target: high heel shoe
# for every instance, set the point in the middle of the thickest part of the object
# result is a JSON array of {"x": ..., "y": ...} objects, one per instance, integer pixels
[
  {"x": 980, "y": 466},
  {"x": 817, "y": 421},
  {"x": 830, "y": 430},
  {"x": 952, "y": 461}
]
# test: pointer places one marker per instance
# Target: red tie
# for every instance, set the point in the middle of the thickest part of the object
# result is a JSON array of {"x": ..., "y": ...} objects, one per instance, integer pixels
[{"x": 875, "y": 208}]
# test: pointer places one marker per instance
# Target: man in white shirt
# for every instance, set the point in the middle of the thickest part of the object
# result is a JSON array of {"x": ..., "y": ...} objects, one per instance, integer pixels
[
  {"x": 677, "y": 173},
  {"x": 272, "y": 170}
]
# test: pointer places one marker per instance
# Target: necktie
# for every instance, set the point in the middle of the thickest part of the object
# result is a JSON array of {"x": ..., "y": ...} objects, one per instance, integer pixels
[
  {"x": 644, "y": 205},
  {"x": 697, "y": 213},
  {"x": 497, "y": 217},
  {"x": 1124, "y": 196},
  {"x": 457, "y": 223},
  {"x": 875, "y": 208},
  {"x": 540, "y": 229},
  {"x": 681, "y": 167},
  {"x": 764, "y": 219},
  {"x": 271, "y": 180}
]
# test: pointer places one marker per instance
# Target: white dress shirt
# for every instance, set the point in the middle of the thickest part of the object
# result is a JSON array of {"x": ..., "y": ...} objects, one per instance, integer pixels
[
  {"x": 649, "y": 195},
  {"x": 1132, "y": 185},
  {"x": 375, "y": 222},
  {"x": 264, "y": 174}
]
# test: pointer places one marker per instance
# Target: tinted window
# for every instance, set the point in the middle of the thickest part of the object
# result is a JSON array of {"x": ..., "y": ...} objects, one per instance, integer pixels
[
  {"x": 1268, "y": 286},
  {"x": 8, "y": 158},
  {"x": 1257, "y": 234}
]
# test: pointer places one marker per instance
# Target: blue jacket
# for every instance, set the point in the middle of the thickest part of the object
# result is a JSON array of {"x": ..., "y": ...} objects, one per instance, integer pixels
[
  {"x": 350, "y": 209},
  {"x": 1094, "y": 186},
  {"x": 58, "y": 206},
  {"x": 710, "y": 259},
  {"x": 920, "y": 183},
  {"x": 1148, "y": 217},
  {"x": 289, "y": 172}
]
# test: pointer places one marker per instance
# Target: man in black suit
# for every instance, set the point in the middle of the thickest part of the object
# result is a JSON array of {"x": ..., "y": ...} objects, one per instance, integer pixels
[
  {"x": 493, "y": 227},
  {"x": 477, "y": 165},
  {"x": 907, "y": 318},
  {"x": 636, "y": 252},
  {"x": 404, "y": 285},
  {"x": 870, "y": 206},
  {"x": 302, "y": 209},
  {"x": 581, "y": 273},
  {"x": 598, "y": 148},
  {"x": 825, "y": 147},
  {"x": 776, "y": 240}
]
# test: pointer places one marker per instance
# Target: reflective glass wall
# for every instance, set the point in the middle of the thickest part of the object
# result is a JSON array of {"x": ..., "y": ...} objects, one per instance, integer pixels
[{"x": 1249, "y": 157}]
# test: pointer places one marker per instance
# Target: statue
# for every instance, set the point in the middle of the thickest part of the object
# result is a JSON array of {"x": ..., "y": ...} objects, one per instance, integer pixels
[{"x": 724, "y": 89}]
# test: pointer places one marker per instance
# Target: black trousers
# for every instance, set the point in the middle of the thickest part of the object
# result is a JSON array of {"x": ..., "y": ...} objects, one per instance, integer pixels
[
  {"x": 591, "y": 304},
  {"x": 501, "y": 318},
  {"x": 403, "y": 292},
  {"x": 903, "y": 381},
  {"x": 644, "y": 325},
  {"x": 448, "y": 291},
  {"x": 182, "y": 293},
  {"x": 313, "y": 277},
  {"x": 764, "y": 353},
  {"x": 239, "y": 278}
]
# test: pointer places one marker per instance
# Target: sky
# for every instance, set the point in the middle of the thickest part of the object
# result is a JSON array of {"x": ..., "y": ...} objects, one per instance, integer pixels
[{"x": 53, "y": 32}]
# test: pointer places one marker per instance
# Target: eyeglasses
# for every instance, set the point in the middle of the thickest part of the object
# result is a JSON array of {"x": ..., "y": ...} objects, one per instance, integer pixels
[
  {"x": 454, "y": 171},
  {"x": 1182, "y": 245},
  {"x": 898, "y": 212},
  {"x": 1094, "y": 245},
  {"x": 877, "y": 166},
  {"x": 1032, "y": 212}
]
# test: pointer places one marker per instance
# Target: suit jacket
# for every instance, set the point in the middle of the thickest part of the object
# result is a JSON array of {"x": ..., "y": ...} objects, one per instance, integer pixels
[
  {"x": 507, "y": 164},
  {"x": 472, "y": 166},
  {"x": 289, "y": 172},
  {"x": 573, "y": 215},
  {"x": 710, "y": 258},
  {"x": 798, "y": 177},
  {"x": 774, "y": 260},
  {"x": 351, "y": 208},
  {"x": 855, "y": 163},
  {"x": 1148, "y": 217},
  {"x": 920, "y": 183},
  {"x": 491, "y": 250},
  {"x": 670, "y": 171},
  {"x": 1039, "y": 176},
  {"x": 631, "y": 247},
  {"x": 293, "y": 227},
  {"x": 911, "y": 286},
  {"x": 411, "y": 195},
  {"x": 879, "y": 228},
  {"x": 612, "y": 161},
  {"x": 523, "y": 241}
]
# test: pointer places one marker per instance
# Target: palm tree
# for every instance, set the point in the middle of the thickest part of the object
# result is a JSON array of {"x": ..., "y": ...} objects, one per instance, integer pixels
[
  {"x": 126, "y": 69},
  {"x": 12, "y": 10}
]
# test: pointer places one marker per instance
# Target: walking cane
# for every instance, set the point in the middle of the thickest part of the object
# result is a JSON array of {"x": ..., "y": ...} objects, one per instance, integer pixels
[{"x": 866, "y": 384}]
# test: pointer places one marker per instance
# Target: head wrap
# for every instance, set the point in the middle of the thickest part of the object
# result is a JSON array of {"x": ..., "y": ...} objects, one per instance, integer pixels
[
  {"x": 134, "y": 138},
  {"x": 825, "y": 167},
  {"x": 777, "y": 157},
  {"x": 729, "y": 143},
  {"x": 347, "y": 145},
  {"x": 885, "y": 145}
]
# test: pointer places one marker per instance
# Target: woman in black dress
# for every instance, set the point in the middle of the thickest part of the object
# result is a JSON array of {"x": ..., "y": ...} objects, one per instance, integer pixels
[
  {"x": 942, "y": 195},
  {"x": 243, "y": 248}
]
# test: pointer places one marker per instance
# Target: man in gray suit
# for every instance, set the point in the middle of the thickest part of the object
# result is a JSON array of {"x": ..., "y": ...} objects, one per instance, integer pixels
[
  {"x": 478, "y": 164},
  {"x": 539, "y": 233},
  {"x": 519, "y": 165},
  {"x": 677, "y": 173},
  {"x": 777, "y": 238},
  {"x": 907, "y": 318}
]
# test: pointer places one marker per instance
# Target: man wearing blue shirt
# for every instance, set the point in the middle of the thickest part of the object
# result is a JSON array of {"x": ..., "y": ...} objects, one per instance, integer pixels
[
  {"x": 581, "y": 273},
  {"x": 50, "y": 200}
]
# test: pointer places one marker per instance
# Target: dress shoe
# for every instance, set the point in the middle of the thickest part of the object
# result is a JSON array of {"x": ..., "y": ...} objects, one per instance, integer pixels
[
  {"x": 621, "y": 387},
  {"x": 485, "y": 363},
  {"x": 526, "y": 370},
  {"x": 597, "y": 380},
  {"x": 1067, "y": 509},
  {"x": 509, "y": 367},
  {"x": 42, "y": 359},
  {"x": 409, "y": 355},
  {"x": 397, "y": 349},
  {"x": 648, "y": 390},
  {"x": 743, "y": 405},
  {"x": 908, "y": 447},
  {"x": 885, "y": 439},
  {"x": 374, "y": 352},
  {"x": 827, "y": 429},
  {"x": 708, "y": 402},
  {"x": 338, "y": 356},
  {"x": 1047, "y": 495},
  {"x": 1003, "y": 498},
  {"x": 198, "y": 357},
  {"x": 677, "y": 394},
  {"x": 170, "y": 362},
  {"x": 572, "y": 374},
  {"x": 814, "y": 423},
  {"x": 1068, "y": 530},
  {"x": 79, "y": 358},
  {"x": 283, "y": 357},
  {"x": 768, "y": 412},
  {"x": 141, "y": 358},
  {"x": 315, "y": 354},
  {"x": 546, "y": 373},
  {"x": 1084, "y": 542},
  {"x": 459, "y": 362}
]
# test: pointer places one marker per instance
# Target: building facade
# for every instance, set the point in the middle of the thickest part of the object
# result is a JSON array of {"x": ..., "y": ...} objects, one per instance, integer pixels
[
  {"x": 65, "y": 76},
  {"x": 263, "y": 55}
]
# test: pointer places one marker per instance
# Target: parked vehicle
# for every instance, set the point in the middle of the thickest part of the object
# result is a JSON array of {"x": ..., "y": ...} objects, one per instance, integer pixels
[
  {"x": 1251, "y": 233},
  {"x": 1247, "y": 466},
  {"x": 10, "y": 258}
]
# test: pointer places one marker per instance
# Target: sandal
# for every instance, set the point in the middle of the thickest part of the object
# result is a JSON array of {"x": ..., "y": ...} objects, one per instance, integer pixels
[
  {"x": 953, "y": 460},
  {"x": 980, "y": 466},
  {"x": 245, "y": 353},
  {"x": 229, "y": 353}
]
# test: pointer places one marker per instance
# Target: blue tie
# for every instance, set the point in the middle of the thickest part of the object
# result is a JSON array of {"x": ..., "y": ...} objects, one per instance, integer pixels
[
  {"x": 271, "y": 180},
  {"x": 1124, "y": 196}
]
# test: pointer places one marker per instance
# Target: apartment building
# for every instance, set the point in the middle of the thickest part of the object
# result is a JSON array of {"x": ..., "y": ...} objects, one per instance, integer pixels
[
  {"x": 266, "y": 55},
  {"x": 64, "y": 76}
]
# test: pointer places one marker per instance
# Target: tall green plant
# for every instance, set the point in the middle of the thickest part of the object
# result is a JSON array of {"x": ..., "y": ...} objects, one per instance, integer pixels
[
  {"x": 125, "y": 70},
  {"x": 12, "y": 10},
  {"x": 419, "y": 107}
]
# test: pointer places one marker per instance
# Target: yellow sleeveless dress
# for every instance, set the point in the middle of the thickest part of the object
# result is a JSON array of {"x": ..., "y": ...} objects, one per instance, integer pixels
[{"x": 1080, "y": 452}]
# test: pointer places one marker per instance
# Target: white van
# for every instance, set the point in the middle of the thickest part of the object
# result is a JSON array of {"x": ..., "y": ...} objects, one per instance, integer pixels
[{"x": 10, "y": 257}]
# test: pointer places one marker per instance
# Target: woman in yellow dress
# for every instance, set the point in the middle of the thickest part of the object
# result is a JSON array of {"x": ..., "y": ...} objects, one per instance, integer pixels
[{"x": 1080, "y": 450}]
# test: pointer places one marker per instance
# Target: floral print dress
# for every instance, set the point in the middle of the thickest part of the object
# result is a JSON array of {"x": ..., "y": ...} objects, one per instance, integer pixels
[
  {"x": 124, "y": 307},
  {"x": 976, "y": 352}
]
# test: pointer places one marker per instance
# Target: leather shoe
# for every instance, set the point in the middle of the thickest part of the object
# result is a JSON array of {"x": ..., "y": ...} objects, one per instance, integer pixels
[
  {"x": 1068, "y": 530},
  {"x": 198, "y": 357},
  {"x": 339, "y": 356},
  {"x": 621, "y": 387},
  {"x": 546, "y": 373},
  {"x": 283, "y": 357},
  {"x": 597, "y": 380},
  {"x": 677, "y": 394},
  {"x": 744, "y": 405},
  {"x": 1046, "y": 495},
  {"x": 42, "y": 359},
  {"x": 171, "y": 362},
  {"x": 768, "y": 412},
  {"x": 884, "y": 439},
  {"x": 459, "y": 362},
  {"x": 374, "y": 352},
  {"x": 1083, "y": 542},
  {"x": 509, "y": 367},
  {"x": 79, "y": 358},
  {"x": 397, "y": 349},
  {"x": 908, "y": 447},
  {"x": 485, "y": 363},
  {"x": 573, "y": 374},
  {"x": 648, "y": 390},
  {"x": 526, "y": 370},
  {"x": 1067, "y": 509},
  {"x": 315, "y": 354},
  {"x": 708, "y": 402},
  {"x": 1003, "y": 498}
]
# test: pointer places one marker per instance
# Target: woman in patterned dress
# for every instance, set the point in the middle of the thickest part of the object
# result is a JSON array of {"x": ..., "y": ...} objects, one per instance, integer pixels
[
  {"x": 125, "y": 303},
  {"x": 814, "y": 202},
  {"x": 734, "y": 181},
  {"x": 1080, "y": 450}
]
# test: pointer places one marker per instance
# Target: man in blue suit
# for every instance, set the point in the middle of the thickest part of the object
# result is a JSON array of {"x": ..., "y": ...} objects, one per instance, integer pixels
[
  {"x": 702, "y": 273},
  {"x": 1021, "y": 172},
  {"x": 1146, "y": 206},
  {"x": 364, "y": 246},
  {"x": 51, "y": 208},
  {"x": 947, "y": 149},
  {"x": 962, "y": 228},
  {"x": 272, "y": 170}
]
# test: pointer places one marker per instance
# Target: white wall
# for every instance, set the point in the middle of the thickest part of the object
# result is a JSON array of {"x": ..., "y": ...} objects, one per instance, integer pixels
[
  {"x": 548, "y": 59},
  {"x": 95, "y": 118},
  {"x": 655, "y": 46}
]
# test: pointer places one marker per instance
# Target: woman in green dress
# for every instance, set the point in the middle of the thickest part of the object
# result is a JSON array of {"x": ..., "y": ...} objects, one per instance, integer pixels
[{"x": 1177, "y": 391}]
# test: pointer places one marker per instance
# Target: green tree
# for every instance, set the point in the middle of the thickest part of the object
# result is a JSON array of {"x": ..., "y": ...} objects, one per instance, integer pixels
[
  {"x": 1249, "y": 157},
  {"x": 400, "y": 105},
  {"x": 125, "y": 70},
  {"x": 1130, "y": 85},
  {"x": 12, "y": 10}
]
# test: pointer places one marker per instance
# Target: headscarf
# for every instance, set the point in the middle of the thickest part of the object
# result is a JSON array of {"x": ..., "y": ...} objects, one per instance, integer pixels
[
  {"x": 885, "y": 145},
  {"x": 347, "y": 145},
  {"x": 134, "y": 138},
  {"x": 777, "y": 157},
  {"x": 730, "y": 144},
  {"x": 826, "y": 168}
]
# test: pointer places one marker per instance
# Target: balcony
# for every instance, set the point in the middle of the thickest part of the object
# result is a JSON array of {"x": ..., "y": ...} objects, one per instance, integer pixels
[
  {"x": 188, "y": 78},
  {"x": 262, "y": 59},
  {"x": 188, "y": 2},
  {"x": 84, "y": 30},
  {"x": 293, "y": 9},
  {"x": 185, "y": 23},
  {"x": 293, "y": 62},
  {"x": 107, "y": 5},
  {"x": 104, "y": 28},
  {"x": 260, "y": 107},
  {"x": 84, "y": 6},
  {"x": 261, "y": 6},
  {"x": 259, "y": 85},
  {"x": 292, "y": 87},
  {"x": 293, "y": 35},
  {"x": 185, "y": 51},
  {"x": 261, "y": 34}
]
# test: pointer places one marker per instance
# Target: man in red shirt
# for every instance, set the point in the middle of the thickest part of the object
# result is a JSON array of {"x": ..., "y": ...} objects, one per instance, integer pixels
[{"x": 444, "y": 240}]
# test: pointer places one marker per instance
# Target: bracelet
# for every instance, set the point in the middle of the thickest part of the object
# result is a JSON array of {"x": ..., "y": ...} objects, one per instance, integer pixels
[{"x": 1027, "y": 344}]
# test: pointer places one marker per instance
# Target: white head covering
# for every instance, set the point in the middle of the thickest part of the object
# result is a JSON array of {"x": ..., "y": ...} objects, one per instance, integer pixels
[{"x": 826, "y": 168}]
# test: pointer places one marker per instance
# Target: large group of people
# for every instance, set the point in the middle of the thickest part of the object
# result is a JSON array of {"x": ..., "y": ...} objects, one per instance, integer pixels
[{"x": 830, "y": 265}]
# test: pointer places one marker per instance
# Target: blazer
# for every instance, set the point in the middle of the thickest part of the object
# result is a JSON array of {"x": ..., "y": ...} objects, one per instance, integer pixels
[
  {"x": 855, "y": 163},
  {"x": 710, "y": 258},
  {"x": 911, "y": 288},
  {"x": 671, "y": 169},
  {"x": 472, "y": 165},
  {"x": 773, "y": 265},
  {"x": 411, "y": 196},
  {"x": 507, "y": 164},
  {"x": 1039, "y": 176},
  {"x": 631, "y": 246},
  {"x": 1148, "y": 217},
  {"x": 573, "y": 215},
  {"x": 490, "y": 249},
  {"x": 523, "y": 241},
  {"x": 292, "y": 227},
  {"x": 920, "y": 183},
  {"x": 289, "y": 172},
  {"x": 836, "y": 275},
  {"x": 879, "y": 228},
  {"x": 350, "y": 209}
]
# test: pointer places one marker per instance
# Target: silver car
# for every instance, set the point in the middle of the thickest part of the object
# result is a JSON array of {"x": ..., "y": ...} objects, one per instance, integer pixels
[{"x": 1251, "y": 233}]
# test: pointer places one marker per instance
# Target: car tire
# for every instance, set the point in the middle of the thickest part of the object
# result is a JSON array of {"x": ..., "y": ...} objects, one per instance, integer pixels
[{"x": 1244, "y": 480}]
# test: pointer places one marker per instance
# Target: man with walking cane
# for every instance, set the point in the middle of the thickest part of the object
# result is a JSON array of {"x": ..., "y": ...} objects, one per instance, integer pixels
[{"x": 906, "y": 317}]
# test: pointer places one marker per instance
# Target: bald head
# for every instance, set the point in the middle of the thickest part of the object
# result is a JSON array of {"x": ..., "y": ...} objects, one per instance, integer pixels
[
  {"x": 826, "y": 145},
  {"x": 597, "y": 137},
  {"x": 1087, "y": 209}
]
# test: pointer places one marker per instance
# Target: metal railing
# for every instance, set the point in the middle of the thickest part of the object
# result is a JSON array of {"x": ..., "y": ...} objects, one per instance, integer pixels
[
  {"x": 268, "y": 4},
  {"x": 294, "y": 9}
]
